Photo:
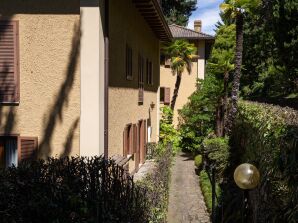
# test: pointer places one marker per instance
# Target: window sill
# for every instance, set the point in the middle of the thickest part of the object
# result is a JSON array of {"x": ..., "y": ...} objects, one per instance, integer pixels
[{"x": 10, "y": 103}]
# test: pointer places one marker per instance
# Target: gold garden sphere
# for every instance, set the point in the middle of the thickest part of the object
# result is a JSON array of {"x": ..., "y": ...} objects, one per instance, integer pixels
[{"x": 246, "y": 176}]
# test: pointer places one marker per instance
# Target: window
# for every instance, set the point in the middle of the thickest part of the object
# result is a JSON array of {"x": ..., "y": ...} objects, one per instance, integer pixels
[
  {"x": 130, "y": 139},
  {"x": 128, "y": 62},
  {"x": 141, "y": 79},
  {"x": 149, "y": 71},
  {"x": 15, "y": 148},
  {"x": 165, "y": 95},
  {"x": 9, "y": 62}
]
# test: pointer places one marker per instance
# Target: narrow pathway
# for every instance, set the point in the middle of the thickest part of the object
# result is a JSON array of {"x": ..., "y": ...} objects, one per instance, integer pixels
[{"x": 186, "y": 202}]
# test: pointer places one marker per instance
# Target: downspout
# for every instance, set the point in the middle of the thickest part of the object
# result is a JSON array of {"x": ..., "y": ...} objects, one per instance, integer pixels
[{"x": 106, "y": 79}]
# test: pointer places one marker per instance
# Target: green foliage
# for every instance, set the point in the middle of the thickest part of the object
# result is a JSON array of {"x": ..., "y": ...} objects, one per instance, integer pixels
[
  {"x": 167, "y": 133},
  {"x": 156, "y": 186},
  {"x": 181, "y": 53},
  {"x": 198, "y": 161},
  {"x": 267, "y": 136},
  {"x": 270, "y": 48},
  {"x": 207, "y": 189},
  {"x": 178, "y": 12},
  {"x": 217, "y": 152},
  {"x": 198, "y": 115},
  {"x": 69, "y": 190}
]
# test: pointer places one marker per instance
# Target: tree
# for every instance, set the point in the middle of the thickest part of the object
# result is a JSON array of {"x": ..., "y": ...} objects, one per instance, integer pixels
[
  {"x": 221, "y": 64},
  {"x": 178, "y": 12},
  {"x": 181, "y": 53},
  {"x": 236, "y": 9},
  {"x": 269, "y": 52}
]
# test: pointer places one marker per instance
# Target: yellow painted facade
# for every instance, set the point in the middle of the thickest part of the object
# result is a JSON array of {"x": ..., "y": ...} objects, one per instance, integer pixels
[
  {"x": 127, "y": 26},
  {"x": 49, "y": 44},
  {"x": 188, "y": 81}
]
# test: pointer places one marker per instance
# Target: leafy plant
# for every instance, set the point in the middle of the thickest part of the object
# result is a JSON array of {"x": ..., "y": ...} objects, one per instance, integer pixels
[
  {"x": 199, "y": 161},
  {"x": 181, "y": 53},
  {"x": 167, "y": 133}
]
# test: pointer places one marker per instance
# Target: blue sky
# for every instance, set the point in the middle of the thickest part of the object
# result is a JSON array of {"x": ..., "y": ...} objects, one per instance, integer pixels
[{"x": 208, "y": 12}]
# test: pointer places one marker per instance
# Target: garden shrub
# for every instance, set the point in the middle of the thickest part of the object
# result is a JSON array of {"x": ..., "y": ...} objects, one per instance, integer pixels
[
  {"x": 216, "y": 152},
  {"x": 156, "y": 185},
  {"x": 167, "y": 133},
  {"x": 207, "y": 189},
  {"x": 266, "y": 136},
  {"x": 199, "y": 161},
  {"x": 75, "y": 189}
]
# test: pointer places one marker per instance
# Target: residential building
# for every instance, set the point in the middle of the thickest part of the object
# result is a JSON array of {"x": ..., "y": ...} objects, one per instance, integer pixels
[
  {"x": 79, "y": 78},
  {"x": 203, "y": 42}
]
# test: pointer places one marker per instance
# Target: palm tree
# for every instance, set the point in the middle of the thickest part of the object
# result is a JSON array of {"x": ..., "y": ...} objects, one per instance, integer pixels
[
  {"x": 181, "y": 53},
  {"x": 236, "y": 9}
]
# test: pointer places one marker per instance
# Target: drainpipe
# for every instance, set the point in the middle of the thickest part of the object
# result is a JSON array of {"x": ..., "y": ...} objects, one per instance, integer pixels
[{"x": 106, "y": 78}]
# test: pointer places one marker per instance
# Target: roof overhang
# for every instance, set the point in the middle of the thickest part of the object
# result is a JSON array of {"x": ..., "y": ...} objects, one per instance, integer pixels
[{"x": 153, "y": 15}]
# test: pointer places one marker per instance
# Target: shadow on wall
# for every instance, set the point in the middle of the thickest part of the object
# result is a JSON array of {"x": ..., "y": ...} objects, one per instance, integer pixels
[
  {"x": 55, "y": 114},
  {"x": 7, "y": 116},
  {"x": 69, "y": 139}
]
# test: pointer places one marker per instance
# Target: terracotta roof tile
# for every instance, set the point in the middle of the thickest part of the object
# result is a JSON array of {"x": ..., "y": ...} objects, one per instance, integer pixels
[{"x": 185, "y": 33}]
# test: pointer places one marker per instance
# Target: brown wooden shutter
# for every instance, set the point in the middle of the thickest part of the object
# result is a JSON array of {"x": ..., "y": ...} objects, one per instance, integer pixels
[
  {"x": 135, "y": 138},
  {"x": 130, "y": 138},
  {"x": 28, "y": 148},
  {"x": 141, "y": 79},
  {"x": 9, "y": 62},
  {"x": 167, "y": 95},
  {"x": 125, "y": 141}
]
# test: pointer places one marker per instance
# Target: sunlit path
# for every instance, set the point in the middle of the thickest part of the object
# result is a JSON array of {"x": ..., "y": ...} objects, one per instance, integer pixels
[{"x": 186, "y": 202}]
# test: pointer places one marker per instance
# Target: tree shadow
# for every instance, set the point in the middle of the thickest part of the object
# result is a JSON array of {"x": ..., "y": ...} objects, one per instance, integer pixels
[
  {"x": 69, "y": 139},
  {"x": 55, "y": 114},
  {"x": 7, "y": 117}
]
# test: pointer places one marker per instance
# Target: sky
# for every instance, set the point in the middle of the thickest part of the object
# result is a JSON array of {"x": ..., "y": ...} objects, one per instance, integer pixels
[{"x": 208, "y": 12}]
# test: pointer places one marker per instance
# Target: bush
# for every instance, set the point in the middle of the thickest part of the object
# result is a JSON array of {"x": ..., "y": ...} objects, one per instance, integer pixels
[
  {"x": 266, "y": 136},
  {"x": 70, "y": 190},
  {"x": 157, "y": 187},
  {"x": 216, "y": 151},
  {"x": 198, "y": 161},
  {"x": 168, "y": 134},
  {"x": 207, "y": 189}
]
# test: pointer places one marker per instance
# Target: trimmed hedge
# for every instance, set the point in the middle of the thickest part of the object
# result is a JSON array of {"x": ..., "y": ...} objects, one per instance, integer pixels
[
  {"x": 207, "y": 190},
  {"x": 71, "y": 190},
  {"x": 156, "y": 185},
  {"x": 266, "y": 136}
]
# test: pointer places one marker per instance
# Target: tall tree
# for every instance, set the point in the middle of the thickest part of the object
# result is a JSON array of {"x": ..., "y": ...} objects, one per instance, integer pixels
[
  {"x": 178, "y": 12},
  {"x": 181, "y": 53},
  {"x": 237, "y": 9}
]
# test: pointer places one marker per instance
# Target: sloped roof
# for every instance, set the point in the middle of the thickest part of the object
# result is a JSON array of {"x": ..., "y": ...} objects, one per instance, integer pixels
[
  {"x": 152, "y": 13},
  {"x": 185, "y": 33}
]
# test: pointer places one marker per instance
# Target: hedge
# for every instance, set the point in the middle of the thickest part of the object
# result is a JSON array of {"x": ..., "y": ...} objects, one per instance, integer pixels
[
  {"x": 73, "y": 189},
  {"x": 266, "y": 136}
]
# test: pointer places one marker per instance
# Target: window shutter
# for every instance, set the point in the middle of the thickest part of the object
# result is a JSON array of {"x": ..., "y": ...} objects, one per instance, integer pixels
[
  {"x": 130, "y": 138},
  {"x": 135, "y": 138},
  {"x": 9, "y": 62},
  {"x": 28, "y": 147},
  {"x": 167, "y": 95},
  {"x": 125, "y": 141},
  {"x": 141, "y": 79}
]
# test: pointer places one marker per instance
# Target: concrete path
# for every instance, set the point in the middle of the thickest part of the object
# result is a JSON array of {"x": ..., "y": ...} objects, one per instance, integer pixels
[{"x": 186, "y": 202}]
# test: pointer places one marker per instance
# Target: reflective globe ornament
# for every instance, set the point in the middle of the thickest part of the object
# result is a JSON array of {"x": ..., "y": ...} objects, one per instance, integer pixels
[{"x": 246, "y": 176}]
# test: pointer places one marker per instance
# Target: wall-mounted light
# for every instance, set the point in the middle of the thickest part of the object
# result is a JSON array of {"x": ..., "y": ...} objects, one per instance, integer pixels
[{"x": 152, "y": 105}]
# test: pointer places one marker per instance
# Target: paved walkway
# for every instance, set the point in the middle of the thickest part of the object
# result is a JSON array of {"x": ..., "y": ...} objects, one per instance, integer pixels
[{"x": 186, "y": 202}]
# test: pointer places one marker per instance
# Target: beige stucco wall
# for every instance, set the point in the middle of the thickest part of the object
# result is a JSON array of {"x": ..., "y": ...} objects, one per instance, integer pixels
[
  {"x": 188, "y": 81},
  {"x": 49, "y": 105},
  {"x": 128, "y": 26},
  {"x": 92, "y": 79}
]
